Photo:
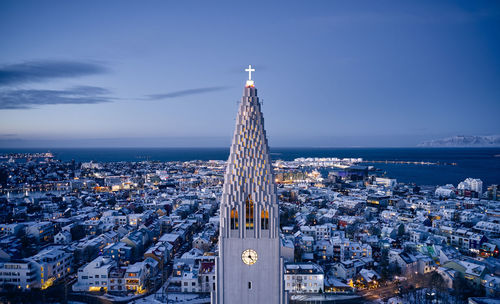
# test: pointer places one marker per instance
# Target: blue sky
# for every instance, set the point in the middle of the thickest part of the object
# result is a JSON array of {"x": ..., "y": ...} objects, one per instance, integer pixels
[{"x": 170, "y": 73}]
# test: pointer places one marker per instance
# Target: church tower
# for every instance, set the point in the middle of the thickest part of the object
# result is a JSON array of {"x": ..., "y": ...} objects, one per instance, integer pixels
[{"x": 249, "y": 267}]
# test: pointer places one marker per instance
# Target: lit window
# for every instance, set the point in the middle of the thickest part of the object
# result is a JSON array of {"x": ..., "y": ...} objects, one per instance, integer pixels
[
  {"x": 264, "y": 219},
  {"x": 249, "y": 210},
  {"x": 234, "y": 218}
]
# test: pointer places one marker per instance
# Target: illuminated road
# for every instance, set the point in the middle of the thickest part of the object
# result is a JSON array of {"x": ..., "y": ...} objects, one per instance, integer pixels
[{"x": 383, "y": 292}]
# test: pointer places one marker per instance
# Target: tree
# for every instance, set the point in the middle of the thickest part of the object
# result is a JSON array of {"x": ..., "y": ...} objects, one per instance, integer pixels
[
  {"x": 29, "y": 247},
  {"x": 459, "y": 286},
  {"x": 394, "y": 269},
  {"x": 384, "y": 264},
  {"x": 401, "y": 230},
  {"x": 139, "y": 209},
  {"x": 4, "y": 176},
  {"x": 77, "y": 232},
  {"x": 311, "y": 219},
  {"x": 374, "y": 230},
  {"x": 298, "y": 254},
  {"x": 428, "y": 222},
  {"x": 368, "y": 216},
  {"x": 350, "y": 230},
  {"x": 437, "y": 282},
  {"x": 111, "y": 202},
  {"x": 286, "y": 217}
]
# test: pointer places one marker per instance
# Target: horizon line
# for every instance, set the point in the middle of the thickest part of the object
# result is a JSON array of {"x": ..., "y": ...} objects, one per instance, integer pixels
[{"x": 274, "y": 147}]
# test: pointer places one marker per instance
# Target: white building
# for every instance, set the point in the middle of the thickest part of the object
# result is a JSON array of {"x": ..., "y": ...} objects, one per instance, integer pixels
[
  {"x": 54, "y": 264},
  {"x": 42, "y": 231},
  {"x": 206, "y": 275},
  {"x": 344, "y": 270},
  {"x": 359, "y": 250},
  {"x": 472, "y": 184},
  {"x": 63, "y": 237},
  {"x": 114, "y": 217},
  {"x": 189, "y": 281},
  {"x": 135, "y": 277},
  {"x": 323, "y": 232},
  {"x": 136, "y": 219},
  {"x": 38, "y": 271},
  {"x": 10, "y": 229},
  {"x": 488, "y": 227},
  {"x": 425, "y": 265},
  {"x": 94, "y": 275},
  {"x": 386, "y": 182},
  {"x": 445, "y": 191},
  {"x": 23, "y": 275},
  {"x": 91, "y": 165},
  {"x": 406, "y": 261},
  {"x": 287, "y": 250},
  {"x": 304, "y": 278}
]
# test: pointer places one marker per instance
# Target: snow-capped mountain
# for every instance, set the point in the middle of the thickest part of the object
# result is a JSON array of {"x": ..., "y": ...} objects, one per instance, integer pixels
[{"x": 464, "y": 141}]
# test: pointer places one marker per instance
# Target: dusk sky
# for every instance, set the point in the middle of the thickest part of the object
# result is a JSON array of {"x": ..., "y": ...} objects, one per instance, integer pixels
[{"x": 170, "y": 73}]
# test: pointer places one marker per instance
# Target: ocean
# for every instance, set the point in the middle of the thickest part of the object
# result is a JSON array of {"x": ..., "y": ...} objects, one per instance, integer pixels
[{"x": 483, "y": 163}]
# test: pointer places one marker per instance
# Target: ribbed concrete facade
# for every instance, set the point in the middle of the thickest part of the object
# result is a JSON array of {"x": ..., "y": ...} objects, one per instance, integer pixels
[{"x": 249, "y": 214}]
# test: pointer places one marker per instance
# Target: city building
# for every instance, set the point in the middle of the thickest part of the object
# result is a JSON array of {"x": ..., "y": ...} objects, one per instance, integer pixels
[
  {"x": 471, "y": 184},
  {"x": 94, "y": 276},
  {"x": 304, "y": 278},
  {"x": 23, "y": 275}
]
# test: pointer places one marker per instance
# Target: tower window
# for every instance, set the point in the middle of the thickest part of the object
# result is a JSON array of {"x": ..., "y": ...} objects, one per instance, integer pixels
[
  {"x": 264, "y": 219},
  {"x": 249, "y": 213},
  {"x": 234, "y": 218},
  {"x": 249, "y": 285}
]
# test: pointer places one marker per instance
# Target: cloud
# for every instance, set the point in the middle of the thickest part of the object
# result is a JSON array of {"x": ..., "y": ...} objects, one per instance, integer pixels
[
  {"x": 27, "y": 99},
  {"x": 185, "y": 93},
  {"x": 42, "y": 70}
]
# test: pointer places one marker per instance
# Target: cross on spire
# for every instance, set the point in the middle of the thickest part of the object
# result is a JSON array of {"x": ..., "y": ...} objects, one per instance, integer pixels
[{"x": 250, "y": 70}]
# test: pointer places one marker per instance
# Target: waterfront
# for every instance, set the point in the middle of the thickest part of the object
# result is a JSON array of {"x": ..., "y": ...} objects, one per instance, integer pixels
[{"x": 483, "y": 163}]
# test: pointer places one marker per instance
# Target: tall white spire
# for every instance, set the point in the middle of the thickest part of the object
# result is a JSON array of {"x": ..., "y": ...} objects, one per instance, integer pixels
[
  {"x": 249, "y": 267},
  {"x": 249, "y": 173}
]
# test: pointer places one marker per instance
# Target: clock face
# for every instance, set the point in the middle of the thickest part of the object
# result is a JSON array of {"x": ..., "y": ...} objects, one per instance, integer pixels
[{"x": 249, "y": 256}]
